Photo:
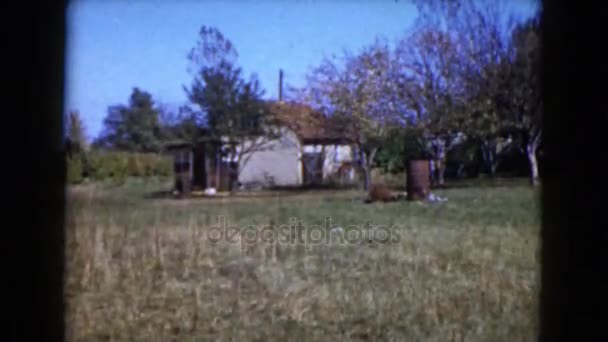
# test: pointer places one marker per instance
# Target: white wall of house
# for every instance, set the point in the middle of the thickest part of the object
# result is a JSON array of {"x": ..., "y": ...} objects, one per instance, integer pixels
[
  {"x": 278, "y": 163},
  {"x": 333, "y": 157}
]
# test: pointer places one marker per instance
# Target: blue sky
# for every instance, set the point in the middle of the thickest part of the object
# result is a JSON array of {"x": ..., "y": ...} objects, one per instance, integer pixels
[{"x": 113, "y": 46}]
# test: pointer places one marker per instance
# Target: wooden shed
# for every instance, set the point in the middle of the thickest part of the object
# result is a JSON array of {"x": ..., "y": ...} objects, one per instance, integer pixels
[{"x": 200, "y": 166}]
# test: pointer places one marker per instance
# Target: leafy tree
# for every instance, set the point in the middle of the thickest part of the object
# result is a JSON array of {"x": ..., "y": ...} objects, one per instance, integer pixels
[
  {"x": 76, "y": 133},
  {"x": 74, "y": 170},
  {"x": 76, "y": 148},
  {"x": 401, "y": 146},
  {"x": 230, "y": 107},
  {"x": 180, "y": 126},
  {"x": 134, "y": 127},
  {"x": 522, "y": 102},
  {"x": 390, "y": 155}
]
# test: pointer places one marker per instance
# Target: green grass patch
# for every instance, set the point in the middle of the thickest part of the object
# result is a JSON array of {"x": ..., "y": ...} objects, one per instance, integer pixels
[{"x": 144, "y": 267}]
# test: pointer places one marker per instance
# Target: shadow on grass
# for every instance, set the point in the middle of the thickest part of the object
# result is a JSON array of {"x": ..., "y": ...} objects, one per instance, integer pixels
[
  {"x": 484, "y": 182},
  {"x": 288, "y": 191},
  {"x": 272, "y": 192},
  {"x": 159, "y": 195}
]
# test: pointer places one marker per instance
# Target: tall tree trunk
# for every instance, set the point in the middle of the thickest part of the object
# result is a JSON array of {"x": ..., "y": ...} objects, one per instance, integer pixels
[
  {"x": 493, "y": 167},
  {"x": 441, "y": 172},
  {"x": 368, "y": 178},
  {"x": 437, "y": 172},
  {"x": 531, "y": 148},
  {"x": 366, "y": 171},
  {"x": 460, "y": 172},
  {"x": 370, "y": 163},
  {"x": 366, "y": 163},
  {"x": 233, "y": 169},
  {"x": 489, "y": 157},
  {"x": 438, "y": 163},
  {"x": 233, "y": 177},
  {"x": 531, "y": 152}
]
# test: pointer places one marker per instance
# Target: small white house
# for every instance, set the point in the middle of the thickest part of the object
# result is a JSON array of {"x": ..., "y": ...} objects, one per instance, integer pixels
[{"x": 307, "y": 153}]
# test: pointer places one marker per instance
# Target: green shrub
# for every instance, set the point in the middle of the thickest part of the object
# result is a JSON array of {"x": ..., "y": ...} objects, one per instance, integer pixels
[
  {"x": 398, "y": 149},
  {"x": 163, "y": 166},
  {"x": 117, "y": 166},
  {"x": 146, "y": 165},
  {"x": 74, "y": 170},
  {"x": 134, "y": 166}
]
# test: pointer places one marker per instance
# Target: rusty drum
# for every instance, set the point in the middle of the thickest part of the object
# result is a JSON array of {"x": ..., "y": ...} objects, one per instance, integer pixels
[{"x": 418, "y": 180}]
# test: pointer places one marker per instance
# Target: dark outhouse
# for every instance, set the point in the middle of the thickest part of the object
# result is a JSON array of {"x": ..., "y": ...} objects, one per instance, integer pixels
[{"x": 200, "y": 166}]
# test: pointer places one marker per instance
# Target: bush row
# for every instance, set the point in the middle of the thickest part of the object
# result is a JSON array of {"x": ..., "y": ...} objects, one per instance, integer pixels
[{"x": 103, "y": 165}]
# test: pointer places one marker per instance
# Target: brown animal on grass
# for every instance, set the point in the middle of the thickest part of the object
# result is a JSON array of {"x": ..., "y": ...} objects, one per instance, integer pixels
[{"x": 381, "y": 193}]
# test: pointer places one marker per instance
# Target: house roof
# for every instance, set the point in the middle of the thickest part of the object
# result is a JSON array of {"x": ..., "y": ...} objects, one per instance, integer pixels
[
  {"x": 180, "y": 143},
  {"x": 309, "y": 125}
]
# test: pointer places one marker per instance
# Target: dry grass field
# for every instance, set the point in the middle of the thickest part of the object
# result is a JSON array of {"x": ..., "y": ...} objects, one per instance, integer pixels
[{"x": 146, "y": 268}]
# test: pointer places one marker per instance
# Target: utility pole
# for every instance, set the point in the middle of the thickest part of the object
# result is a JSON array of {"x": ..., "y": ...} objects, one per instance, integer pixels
[{"x": 280, "y": 85}]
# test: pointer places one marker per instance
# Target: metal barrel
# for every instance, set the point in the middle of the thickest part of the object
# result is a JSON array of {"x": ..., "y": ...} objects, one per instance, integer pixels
[{"x": 418, "y": 180}]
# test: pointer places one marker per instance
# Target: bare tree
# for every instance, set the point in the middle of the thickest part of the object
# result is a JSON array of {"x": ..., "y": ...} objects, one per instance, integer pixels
[
  {"x": 431, "y": 87},
  {"x": 455, "y": 62},
  {"x": 360, "y": 95}
]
